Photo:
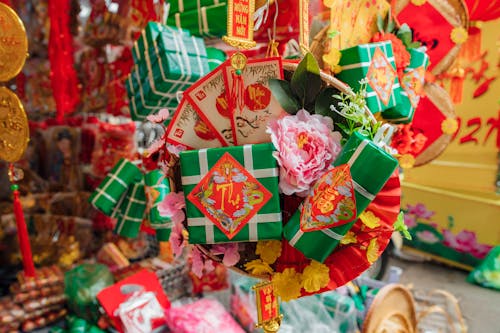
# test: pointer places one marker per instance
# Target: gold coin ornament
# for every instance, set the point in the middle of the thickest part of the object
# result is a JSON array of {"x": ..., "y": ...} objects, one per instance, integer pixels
[
  {"x": 13, "y": 43},
  {"x": 14, "y": 128}
]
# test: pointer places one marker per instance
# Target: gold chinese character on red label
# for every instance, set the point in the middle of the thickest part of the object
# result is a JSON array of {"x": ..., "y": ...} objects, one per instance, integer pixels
[{"x": 267, "y": 303}]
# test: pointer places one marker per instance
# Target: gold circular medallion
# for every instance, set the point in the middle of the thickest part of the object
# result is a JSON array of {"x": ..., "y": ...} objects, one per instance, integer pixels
[
  {"x": 238, "y": 61},
  {"x": 14, "y": 129},
  {"x": 13, "y": 43}
]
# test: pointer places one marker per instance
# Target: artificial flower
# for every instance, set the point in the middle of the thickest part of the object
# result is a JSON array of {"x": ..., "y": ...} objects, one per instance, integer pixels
[
  {"x": 406, "y": 161},
  {"x": 172, "y": 206},
  {"x": 481, "y": 250},
  {"x": 332, "y": 58},
  {"x": 230, "y": 253},
  {"x": 369, "y": 219},
  {"x": 160, "y": 117},
  {"x": 410, "y": 221},
  {"x": 449, "y": 126},
  {"x": 199, "y": 264},
  {"x": 306, "y": 147},
  {"x": 175, "y": 149},
  {"x": 420, "y": 211},
  {"x": 401, "y": 55},
  {"x": 459, "y": 35},
  {"x": 349, "y": 238},
  {"x": 287, "y": 284},
  {"x": 258, "y": 267},
  {"x": 400, "y": 226},
  {"x": 427, "y": 236},
  {"x": 154, "y": 147},
  {"x": 176, "y": 239},
  {"x": 269, "y": 250},
  {"x": 372, "y": 252},
  {"x": 315, "y": 276}
]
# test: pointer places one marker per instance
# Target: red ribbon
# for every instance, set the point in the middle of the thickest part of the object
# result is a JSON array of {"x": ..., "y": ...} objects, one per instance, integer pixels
[{"x": 62, "y": 73}]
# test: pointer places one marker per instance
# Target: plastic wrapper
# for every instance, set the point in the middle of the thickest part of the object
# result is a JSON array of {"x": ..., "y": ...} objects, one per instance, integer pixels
[
  {"x": 487, "y": 274},
  {"x": 141, "y": 313},
  {"x": 311, "y": 314},
  {"x": 82, "y": 284},
  {"x": 205, "y": 315}
]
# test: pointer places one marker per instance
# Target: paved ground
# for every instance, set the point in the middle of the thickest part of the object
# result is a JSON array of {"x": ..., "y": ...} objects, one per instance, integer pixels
[{"x": 480, "y": 306}]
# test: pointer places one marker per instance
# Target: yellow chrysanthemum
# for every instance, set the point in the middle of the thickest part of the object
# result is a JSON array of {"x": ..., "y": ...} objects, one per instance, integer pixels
[
  {"x": 258, "y": 267},
  {"x": 459, "y": 35},
  {"x": 418, "y": 2},
  {"x": 315, "y": 276},
  {"x": 449, "y": 126},
  {"x": 349, "y": 238},
  {"x": 269, "y": 251},
  {"x": 406, "y": 161},
  {"x": 369, "y": 219},
  {"x": 332, "y": 59},
  {"x": 372, "y": 251},
  {"x": 287, "y": 284}
]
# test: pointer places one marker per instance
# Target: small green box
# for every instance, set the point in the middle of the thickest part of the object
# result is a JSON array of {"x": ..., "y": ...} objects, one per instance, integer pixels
[
  {"x": 181, "y": 6},
  {"x": 208, "y": 21},
  {"x": 258, "y": 161},
  {"x": 374, "y": 63},
  {"x": 358, "y": 152},
  {"x": 412, "y": 83}
]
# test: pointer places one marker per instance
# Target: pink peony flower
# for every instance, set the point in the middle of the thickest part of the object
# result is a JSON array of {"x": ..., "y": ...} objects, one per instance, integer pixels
[
  {"x": 175, "y": 149},
  {"x": 306, "y": 147},
  {"x": 230, "y": 252},
  {"x": 420, "y": 211},
  {"x": 177, "y": 239},
  {"x": 410, "y": 221},
  {"x": 199, "y": 264},
  {"x": 466, "y": 241},
  {"x": 450, "y": 239},
  {"x": 481, "y": 250},
  {"x": 427, "y": 236},
  {"x": 172, "y": 206}
]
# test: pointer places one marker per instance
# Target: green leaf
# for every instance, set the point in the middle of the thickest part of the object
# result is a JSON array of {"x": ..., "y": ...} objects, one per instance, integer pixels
[
  {"x": 380, "y": 23},
  {"x": 400, "y": 226},
  {"x": 283, "y": 93},
  {"x": 306, "y": 81},
  {"x": 324, "y": 100},
  {"x": 333, "y": 33}
]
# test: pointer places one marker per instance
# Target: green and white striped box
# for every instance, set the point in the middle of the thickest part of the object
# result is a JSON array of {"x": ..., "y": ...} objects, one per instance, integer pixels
[
  {"x": 374, "y": 63},
  {"x": 259, "y": 162},
  {"x": 412, "y": 84},
  {"x": 181, "y": 6},
  {"x": 131, "y": 212},
  {"x": 206, "y": 21},
  {"x": 157, "y": 188}
]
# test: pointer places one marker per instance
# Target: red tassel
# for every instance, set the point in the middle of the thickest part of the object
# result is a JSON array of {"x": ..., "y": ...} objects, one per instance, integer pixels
[
  {"x": 471, "y": 49},
  {"x": 22, "y": 235},
  {"x": 237, "y": 93},
  {"x": 457, "y": 83}
]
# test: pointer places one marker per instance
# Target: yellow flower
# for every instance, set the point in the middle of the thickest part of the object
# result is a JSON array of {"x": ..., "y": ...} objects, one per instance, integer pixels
[
  {"x": 287, "y": 284},
  {"x": 315, "y": 276},
  {"x": 407, "y": 161},
  {"x": 418, "y": 2},
  {"x": 459, "y": 35},
  {"x": 449, "y": 126},
  {"x": 269, "y": 251},
  {"x": 258, "y": 267},
  {"x": 332, "y": 59},
  {"x": 369, "y": 219},
  {"x": 372, "y": 251},
  {"x": 349, "y": 238}
]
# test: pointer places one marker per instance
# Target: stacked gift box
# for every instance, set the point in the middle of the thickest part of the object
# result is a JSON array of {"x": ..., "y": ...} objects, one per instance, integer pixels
[
  {"x": 167, "y": 61},
  {"x": 34, "y": 302},
  {"x": 204, "y": 18}
]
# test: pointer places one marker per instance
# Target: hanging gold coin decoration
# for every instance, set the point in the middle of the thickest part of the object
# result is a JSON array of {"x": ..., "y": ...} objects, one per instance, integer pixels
[
  {"x": 13, "y": 43},
  {"x": 14, "y": 128}
]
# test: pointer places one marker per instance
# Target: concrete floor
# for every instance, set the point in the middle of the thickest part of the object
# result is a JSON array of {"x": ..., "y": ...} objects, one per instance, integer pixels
[{"x": 480, "y": 306}]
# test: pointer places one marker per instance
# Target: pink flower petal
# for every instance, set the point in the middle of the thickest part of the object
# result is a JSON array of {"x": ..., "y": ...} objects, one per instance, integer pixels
[
  {"x": 173, "y": 203},
  {"x": 160, "y": 117}
]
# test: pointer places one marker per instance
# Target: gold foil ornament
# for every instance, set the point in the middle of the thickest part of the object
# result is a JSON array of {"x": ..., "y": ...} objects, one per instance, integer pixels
[
  {"x": 13, "y": 43},
  {"x": 14, "y": 129}
]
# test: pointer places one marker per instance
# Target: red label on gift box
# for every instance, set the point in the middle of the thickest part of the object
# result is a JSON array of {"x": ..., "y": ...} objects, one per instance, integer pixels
[
  {"x": 331, "y": 203},
  {"x": 229, "y": 195}
]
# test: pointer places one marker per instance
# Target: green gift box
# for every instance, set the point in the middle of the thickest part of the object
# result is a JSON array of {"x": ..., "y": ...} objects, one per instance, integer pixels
[
  {"x": 215, "y": 57},
  {"x": 207, "y": 21},
  {"x": 149, "y": 35},
  {"x": 157, "y": 188},
  {"x": 236, "y": 187},
  {"x": 412, "y": 83},
  {"x": 370, "y": 168},
  {"x": 131, "y": 211},
  {"x": 180, "y": 6},
  {"x": 112, "y": 189},
  {"x": 374, "y": 63}
]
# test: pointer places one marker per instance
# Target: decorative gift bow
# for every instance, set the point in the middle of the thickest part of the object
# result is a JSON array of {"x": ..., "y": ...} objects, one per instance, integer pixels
[{"x": 131, "y": 197}]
